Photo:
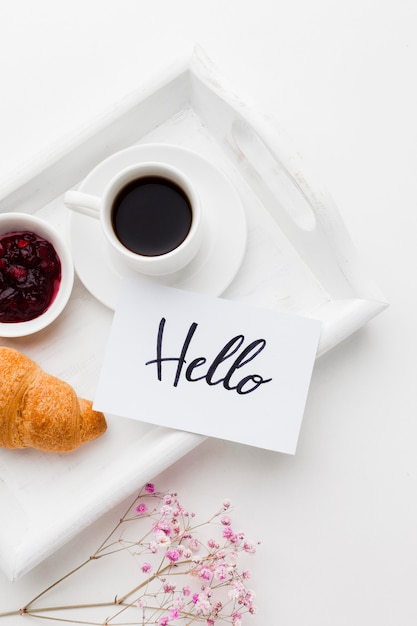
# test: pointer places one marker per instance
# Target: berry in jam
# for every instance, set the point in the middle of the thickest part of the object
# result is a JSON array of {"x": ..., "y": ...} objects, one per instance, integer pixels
[{"x": 30, "y": 275}]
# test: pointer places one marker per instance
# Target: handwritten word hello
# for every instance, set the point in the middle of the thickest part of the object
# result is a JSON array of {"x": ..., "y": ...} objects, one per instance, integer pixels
[{"x": 193, "y": 371}]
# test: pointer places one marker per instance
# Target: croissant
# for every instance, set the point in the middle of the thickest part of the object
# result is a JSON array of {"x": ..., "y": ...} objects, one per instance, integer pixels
[{"x": 40, "y": 411}]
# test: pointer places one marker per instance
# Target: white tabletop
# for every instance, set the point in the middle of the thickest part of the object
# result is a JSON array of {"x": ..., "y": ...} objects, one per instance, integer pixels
[{"x": 338, "y": 520}]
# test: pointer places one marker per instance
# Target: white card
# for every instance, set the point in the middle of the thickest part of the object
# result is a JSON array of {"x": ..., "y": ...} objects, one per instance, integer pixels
[{"x": 208, "y": 365}]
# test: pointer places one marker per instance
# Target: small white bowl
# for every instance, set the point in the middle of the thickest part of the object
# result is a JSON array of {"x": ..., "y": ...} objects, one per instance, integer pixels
[{"x": 14, "y": 222}]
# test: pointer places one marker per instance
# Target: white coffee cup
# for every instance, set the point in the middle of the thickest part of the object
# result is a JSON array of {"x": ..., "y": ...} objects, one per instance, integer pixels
[{"x": 150, "y": 214}]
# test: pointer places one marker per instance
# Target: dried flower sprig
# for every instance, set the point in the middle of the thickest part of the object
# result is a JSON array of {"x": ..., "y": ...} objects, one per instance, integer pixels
[{"x": 187, "y": 572}]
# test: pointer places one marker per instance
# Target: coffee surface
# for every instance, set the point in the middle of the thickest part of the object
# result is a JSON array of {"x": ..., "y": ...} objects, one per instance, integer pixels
[{"x": 151, "y": 216}]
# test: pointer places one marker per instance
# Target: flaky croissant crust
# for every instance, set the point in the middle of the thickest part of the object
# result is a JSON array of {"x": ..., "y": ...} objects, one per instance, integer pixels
[{"x": 41, "y": 411}]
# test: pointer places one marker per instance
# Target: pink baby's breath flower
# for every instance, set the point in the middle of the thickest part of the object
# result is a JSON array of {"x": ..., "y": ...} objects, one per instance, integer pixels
[
  {"x": 230, "y": 535},
  {"x": 217, "y": 608},
  {"x": 179, "y": 509},
  {"x": 146, "y": 567},
  {"x": 249, "y": 598},
  {"x": 203, "y": 605},
  {"x": 153, "y": 547},
  {"x": 217, "y": 591},
  {"x": 165, "y": 510},
  {"x": 173, "y": 555},
  {"x": 179, "y": 603},
  {"x": 162, "y": 525},
  {"x": 237, "y": 619},
  {"x": 162, "y": 539},
  {"x": 249, "y": 547},
  {"x": 220, "y": 573},
  {"x": 236, "y": 590},
  {"x": 194, "y": 544},
  {"x": 205, "y": 573}
]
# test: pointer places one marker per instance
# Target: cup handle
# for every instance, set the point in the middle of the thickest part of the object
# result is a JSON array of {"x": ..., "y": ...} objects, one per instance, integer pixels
[{"x": 83, "y": 203}]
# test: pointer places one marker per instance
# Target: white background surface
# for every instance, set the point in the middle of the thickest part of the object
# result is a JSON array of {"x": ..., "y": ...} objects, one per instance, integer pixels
[{"x": 338, "y": 522}]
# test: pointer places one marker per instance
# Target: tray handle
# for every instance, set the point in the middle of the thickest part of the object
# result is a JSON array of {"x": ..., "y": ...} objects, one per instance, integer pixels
[{"x": 282, "y": 177}]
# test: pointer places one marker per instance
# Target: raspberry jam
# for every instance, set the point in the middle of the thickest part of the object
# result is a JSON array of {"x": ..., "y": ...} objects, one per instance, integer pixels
[{"x": 30, "y": 275}]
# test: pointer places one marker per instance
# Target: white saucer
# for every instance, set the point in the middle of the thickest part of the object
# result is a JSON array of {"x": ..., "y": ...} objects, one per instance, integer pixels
[{"x": 221, "y": 253}]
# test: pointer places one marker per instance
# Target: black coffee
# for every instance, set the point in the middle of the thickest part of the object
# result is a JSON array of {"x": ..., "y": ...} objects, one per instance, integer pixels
[{"x": 151, "y": 216}]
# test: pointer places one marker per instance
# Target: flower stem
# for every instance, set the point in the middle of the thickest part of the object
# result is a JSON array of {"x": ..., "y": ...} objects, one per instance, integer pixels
[
  {"x": 157, "y": 574},
  {"x": 57, "y": 582},
  {"x": 39, "y": 612},
  {"x": 76, "y": 569}
]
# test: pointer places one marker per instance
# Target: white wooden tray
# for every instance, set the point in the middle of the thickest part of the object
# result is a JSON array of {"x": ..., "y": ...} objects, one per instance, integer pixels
[{"x": 299, "y": 259}]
